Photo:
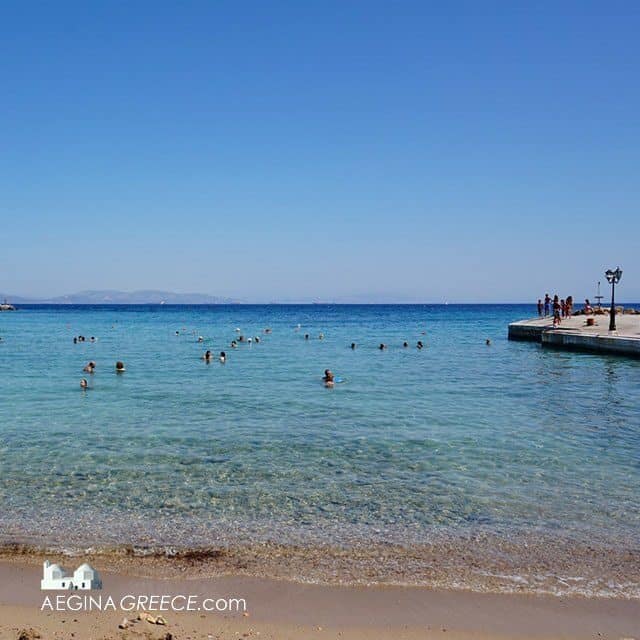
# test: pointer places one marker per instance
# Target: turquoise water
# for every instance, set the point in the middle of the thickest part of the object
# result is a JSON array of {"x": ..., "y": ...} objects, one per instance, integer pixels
[{"x": 510, "y": 439}]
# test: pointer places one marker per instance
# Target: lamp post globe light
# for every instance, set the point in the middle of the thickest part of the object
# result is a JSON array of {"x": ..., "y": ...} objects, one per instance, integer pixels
[{"x": 613, "y": 277}]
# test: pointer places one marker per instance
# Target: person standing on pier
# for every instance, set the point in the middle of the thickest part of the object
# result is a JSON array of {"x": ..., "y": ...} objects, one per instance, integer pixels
[
  {"x": 539, "y": 308},
  {"x": 556, "y": 311},
  {"x": 547, "y": 302}
]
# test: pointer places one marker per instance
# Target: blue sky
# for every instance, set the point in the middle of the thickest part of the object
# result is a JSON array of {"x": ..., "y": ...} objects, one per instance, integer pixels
[{"x": 405, "y": 151}]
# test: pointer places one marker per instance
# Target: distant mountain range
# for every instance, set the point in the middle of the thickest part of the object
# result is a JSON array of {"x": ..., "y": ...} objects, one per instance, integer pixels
[{"x": 124, "y": 297}]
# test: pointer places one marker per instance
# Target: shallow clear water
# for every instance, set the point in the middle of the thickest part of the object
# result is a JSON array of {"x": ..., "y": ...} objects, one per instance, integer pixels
[{"x": 509, "y": 439}]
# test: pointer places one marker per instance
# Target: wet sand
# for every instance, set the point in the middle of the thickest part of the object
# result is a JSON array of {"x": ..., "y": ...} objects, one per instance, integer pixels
[
  {"x": 284, "y": 609},
  {"x": 537, "y": 565}
]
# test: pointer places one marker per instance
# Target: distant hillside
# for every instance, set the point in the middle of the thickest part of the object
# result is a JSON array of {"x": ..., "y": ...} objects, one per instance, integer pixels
[{"x": 124, "y": 297}]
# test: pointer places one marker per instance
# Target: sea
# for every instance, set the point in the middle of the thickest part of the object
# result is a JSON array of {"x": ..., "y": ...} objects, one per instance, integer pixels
[{"x": 498, "y": 467}]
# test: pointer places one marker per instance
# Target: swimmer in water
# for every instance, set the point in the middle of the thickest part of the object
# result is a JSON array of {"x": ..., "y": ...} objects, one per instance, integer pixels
[
  {"x": 256, "y": 339},
  {"x": 487, "y": 342},
  {"x": 89, "y": 367},
  {"x": 382, "y": 346},
  {"x": 84, "y": 384},
  {"x": 223, "y": 357},
  {"x": 207, "y": 356},
  {"x": 306, "y": 336},
  {"x": 353, "y": 346},
  {"x": 234, "y": 344},
  {"x": 405, "y": 344},
  {"x": 328, "y": 379},
  {"x": 321, "y": 336},
  {"x": 200, "y": 339},
  {"x": 120, "y": 367},
  {"x": 75, "y": 340},
  {"x": 419, "y": 345},
  {"x": 249, "y": 340}
]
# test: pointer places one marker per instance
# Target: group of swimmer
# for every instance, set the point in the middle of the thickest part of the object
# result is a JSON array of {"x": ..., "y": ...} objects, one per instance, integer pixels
[
  {"x": 90, "y": 368},
  {"x": 234, "y": 343},
  {"x": 207, "y": 357},
  {"x": 328, "y": 379},
  {"x": 382, "y": 346}
]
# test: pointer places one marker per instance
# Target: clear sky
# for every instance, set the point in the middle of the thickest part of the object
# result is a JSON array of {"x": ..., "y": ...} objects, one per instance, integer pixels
[{"x": 414, "y": 151}]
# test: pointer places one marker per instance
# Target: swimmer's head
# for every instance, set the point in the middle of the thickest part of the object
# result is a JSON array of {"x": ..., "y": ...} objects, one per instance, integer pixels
[
  {"x": 83, "y": 383},
  {"x": 120, "y": 366}
]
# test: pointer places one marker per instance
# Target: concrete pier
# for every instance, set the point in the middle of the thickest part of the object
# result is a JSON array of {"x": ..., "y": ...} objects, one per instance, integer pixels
[{"x": 573, "y": 334}]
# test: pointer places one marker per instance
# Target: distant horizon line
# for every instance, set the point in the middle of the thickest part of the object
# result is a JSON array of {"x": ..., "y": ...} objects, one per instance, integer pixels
[
  {"x": 158, "y": 297},
  {"x": 283, "y": 304}
]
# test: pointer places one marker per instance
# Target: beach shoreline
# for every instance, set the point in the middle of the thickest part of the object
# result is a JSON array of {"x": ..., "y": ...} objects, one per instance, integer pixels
[
  {"x": 285, "y": 609},
  {"x": 512, "y": 567}
]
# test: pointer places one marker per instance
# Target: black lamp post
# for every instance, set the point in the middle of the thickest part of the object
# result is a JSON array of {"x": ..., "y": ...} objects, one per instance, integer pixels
[{"x": 613, "y": 277}]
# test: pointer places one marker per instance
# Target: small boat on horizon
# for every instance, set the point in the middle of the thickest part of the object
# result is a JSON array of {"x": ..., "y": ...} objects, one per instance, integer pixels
[{"x": 5, "y": 306}]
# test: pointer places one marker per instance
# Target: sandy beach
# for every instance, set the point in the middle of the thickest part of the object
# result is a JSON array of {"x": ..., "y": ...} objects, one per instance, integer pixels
[{"x": 283, "y": 609}]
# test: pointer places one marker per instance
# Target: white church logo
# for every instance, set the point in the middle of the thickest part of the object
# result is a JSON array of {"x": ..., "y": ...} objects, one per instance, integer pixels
[{"x": 55, "y": 577}]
